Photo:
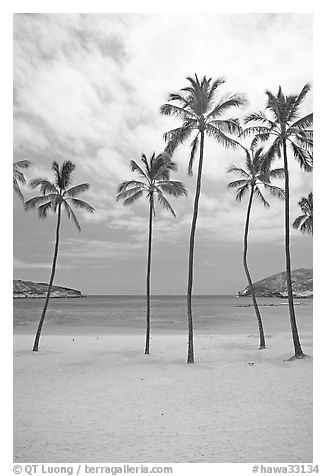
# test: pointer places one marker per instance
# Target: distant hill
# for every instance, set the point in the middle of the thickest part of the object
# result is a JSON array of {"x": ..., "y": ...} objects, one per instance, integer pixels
[
  {"x": 302, "y": 283},
  {"x": 29, "y": 289}
]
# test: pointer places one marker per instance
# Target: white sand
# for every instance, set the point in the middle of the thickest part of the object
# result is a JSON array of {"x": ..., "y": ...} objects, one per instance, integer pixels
[{"x": 103, "y": 400}]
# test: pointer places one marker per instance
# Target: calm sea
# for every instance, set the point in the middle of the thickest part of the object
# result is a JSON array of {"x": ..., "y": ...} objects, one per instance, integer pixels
[{"x": 127, "y": 314}]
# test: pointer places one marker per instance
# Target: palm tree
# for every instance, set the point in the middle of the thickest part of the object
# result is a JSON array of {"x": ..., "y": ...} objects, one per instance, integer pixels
[
  {"x": 155, "y": 181},
  {"x": 18, "y": 176},
  {"x": 304, "y": 222},
  {"x": 253, "y": 177},
  {"x": 196, "y": 106},
  {"x": 284, "y": 127},
  {"x": 56, "y": 196}
]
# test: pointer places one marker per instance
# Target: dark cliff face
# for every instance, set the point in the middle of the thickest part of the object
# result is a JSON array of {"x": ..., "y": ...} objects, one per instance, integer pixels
[
  {"x": 302, "y": 282},
  {"x": 23, "y": 289}
]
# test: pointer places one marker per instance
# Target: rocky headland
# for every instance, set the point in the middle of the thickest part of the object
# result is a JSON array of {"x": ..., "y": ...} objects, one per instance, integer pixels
[
  {"x": 275, "y": 286},
  {"x": 29, "y": 289}
]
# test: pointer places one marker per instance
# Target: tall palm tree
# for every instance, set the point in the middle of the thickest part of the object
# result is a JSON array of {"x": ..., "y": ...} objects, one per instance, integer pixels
[
  {"x": 201, "y": 114},
  {"x": 56, "y": 196},
  {"x": 304, "y": 222},
  {"x": 155, "y": 182},
  {"x": 253, "y": 178},
  {"x": 18, "y": 176},
  {"x": 286, "y": 128}
]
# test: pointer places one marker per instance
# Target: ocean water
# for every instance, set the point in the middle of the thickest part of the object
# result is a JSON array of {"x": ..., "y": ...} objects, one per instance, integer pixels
[{"x": 127, "y": 314}]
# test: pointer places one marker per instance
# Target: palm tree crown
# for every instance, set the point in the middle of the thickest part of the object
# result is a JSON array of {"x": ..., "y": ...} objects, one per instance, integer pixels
[
  {"x": 155, "y": 175},
  {"x": 284, "y": 125},
  {"x": 254, "y": 176},
  {"x": 18, "y": 176},
  {"x": 58, "y": 193},
  {"x": 198, "y": 110},
  {"x": 304, "y": 222}
]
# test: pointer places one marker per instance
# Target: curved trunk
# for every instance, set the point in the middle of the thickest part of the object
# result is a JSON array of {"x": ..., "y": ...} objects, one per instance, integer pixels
[
  {"x": 54, "y": 262},
  {"x": 295, "y": 335},
  {"x": 191, "y": 357},
  {"x": 148, "y": 280},
  {"x": 245, "y": 265}
]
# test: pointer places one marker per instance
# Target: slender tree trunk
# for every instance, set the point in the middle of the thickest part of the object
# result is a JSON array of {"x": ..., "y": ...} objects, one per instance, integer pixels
[
  {"x": 148, "y": 280},
  {"x": 191, "y": 356},
  {"x": 54, "y": 262},
  {"x": 245, "y": 265},
  {"x": 295, "y": 335}
]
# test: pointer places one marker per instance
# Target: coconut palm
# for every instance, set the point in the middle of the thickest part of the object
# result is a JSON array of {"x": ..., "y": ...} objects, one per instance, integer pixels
[
  {"x": 155, "y": 182},
  {"x": 284, "y": 127},
  {"x": 253, "y": 179},
  {"x": 56, "y": 197},
  {"x": 201, "y": 114},
  {"x": 304, "y": 222},
  {"x": 19, "y": 177}
]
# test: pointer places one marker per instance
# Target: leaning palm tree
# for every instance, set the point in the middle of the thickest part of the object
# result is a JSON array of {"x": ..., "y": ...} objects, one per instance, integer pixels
[
  {"x": 253, "y": 178},
  {"x": 155, "y": 182},
  {"x": 285, "y": 127},
  {"x": 18, "y": 176},
  {"x": 304, "y": 222},
  {"x": 201, "y": 114},
  {"x": 56, "y": 196}
]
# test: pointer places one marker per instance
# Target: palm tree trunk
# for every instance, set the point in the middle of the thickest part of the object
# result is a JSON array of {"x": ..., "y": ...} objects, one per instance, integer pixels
[
  {"x": 148, "y": 280},
  {"x": 54, "y": 262},
  {"x": 295, "y": 335},
  {"x": 245, "y": 265},
  {"x": 191, "y": 356}
]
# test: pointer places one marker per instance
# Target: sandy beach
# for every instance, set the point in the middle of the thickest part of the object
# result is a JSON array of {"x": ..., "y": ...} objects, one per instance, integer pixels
[{"x": 99, "y": 398}]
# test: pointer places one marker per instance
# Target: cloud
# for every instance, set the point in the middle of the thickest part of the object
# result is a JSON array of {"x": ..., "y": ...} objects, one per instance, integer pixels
[
  {"x": 19, "y": 264},
  {"x": 88, "y": 87}
]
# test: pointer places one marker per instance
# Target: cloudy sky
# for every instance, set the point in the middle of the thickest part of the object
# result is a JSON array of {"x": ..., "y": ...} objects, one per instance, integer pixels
[{"x": 88, "y": 88}]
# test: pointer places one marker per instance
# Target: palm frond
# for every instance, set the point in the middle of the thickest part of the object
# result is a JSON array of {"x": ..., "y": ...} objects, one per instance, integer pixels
[
  {"x": 260, "y": 116},
  {"x": 298, "y": 100},
  {"x": 66, "y": 173},
  {"x": 238, "y": 183},
  {"x": 276, "y": 173},
  {"x": 261, "y": 197},
  {"x": 241, "y": 192},
  {"x": 131, "y": 183},
  {"x": 128, "y": 192},
  {"x": 226, "y": 102},
  {"x": 165, "y": 204},
  {"x": 22, "y": 164},
  {"x": 273, "y": 152},
  {"x": 238, "y": 171},
  {"x": 45, "y": 185},
  {"x": 135, "y": 167},
  {"x": 38, "y": 201},
  {"x": 43, "y": 209},
  {"x": 229, "y": 126},
  {"x": 179, "y": 112},
  {"x": 77, "y": 189},
  {"x": 172, "y": 187},
  {"x": 261, "y": 130},
  {"x": 176, "y": 137},
  {"x": 304, "y": 157},
  {"x": 304, "y": 224},
  {"x": 81, "y": 204},
  {"x": 303, "y": 122},
  {"x": 133, "y": 198},
  {"x": 275, "y": 191},
  {"x": 71, "y": 215},
  {"x": 221, "y": 137}
]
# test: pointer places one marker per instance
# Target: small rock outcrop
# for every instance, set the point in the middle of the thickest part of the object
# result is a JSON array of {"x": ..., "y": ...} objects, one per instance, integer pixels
[
  {"x": 275, "y": 286},
  {"x": 29, "y": 289}
]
